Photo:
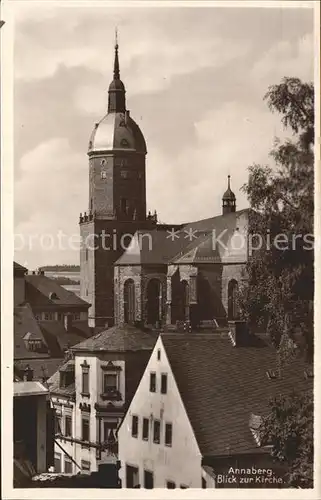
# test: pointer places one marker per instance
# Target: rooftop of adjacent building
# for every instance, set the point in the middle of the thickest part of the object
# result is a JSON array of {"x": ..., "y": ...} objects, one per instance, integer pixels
[
  {"x": 223, "y": 386},
  {"x": 192, "y": 243},
  {"x": 119, "y": 338}
]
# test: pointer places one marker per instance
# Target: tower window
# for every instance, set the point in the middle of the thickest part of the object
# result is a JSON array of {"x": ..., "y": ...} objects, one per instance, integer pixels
[
  {"x": 103, "y": 174},
  {"x": 124, "y": 205},
  {"x": 103, "y": 162}
]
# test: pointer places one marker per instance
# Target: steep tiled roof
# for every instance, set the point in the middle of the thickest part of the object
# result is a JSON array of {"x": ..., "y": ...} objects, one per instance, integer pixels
[
  {"x": 43, "y": 291},
  {"x": 192, "y": 243},
  {"x": 54, "y": 381},
  {"x": 58, "y": 338},
  {"x": 18, "y": 268},
  {"x": 42, "y": 367},
  {"x": 223, "y": 386},
  {"x": 24, "y": 323},
  {"x": 152, "y": 247},
  {"x": 118, "y": 339}
]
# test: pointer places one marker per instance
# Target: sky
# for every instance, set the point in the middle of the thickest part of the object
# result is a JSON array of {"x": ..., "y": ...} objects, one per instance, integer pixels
[{"x": 195, "y": 80}]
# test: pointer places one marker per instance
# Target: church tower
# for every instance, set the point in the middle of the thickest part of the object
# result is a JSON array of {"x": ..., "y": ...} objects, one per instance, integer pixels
[
  {"x": 228, "y": 200},
  {"x": 117, "y": 200}
]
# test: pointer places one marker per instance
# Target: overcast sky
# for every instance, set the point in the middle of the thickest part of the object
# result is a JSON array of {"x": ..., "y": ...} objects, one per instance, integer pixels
[{"x": 195, "y": 81}]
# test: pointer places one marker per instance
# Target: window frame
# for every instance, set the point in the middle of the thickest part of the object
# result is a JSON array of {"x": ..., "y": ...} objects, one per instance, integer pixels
[
  {"x": 163, "y": 388},
  {"x": 83, "y": 420},
  {"x": 167, "y": 426},
  {"x": 145, "y": 435},
  {"x": 136, "y": 420},
  {"x": 106, "y": 389},
  {"x": 69, "y": 418},
  {"x": 158, "y": 422},
  {"x": 152, "y": 388}
]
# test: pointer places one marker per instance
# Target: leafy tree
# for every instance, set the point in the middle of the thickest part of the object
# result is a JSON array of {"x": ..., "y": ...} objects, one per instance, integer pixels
[
  {"x": 289, "y": 429},
  {"x": 280, "y": 286}
]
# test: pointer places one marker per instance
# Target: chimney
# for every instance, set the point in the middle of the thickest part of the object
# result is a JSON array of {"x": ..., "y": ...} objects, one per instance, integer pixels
[
  {"x": 28, "y": 374},
  {"x": 68, "y": 322},
  {"x": 238, "y": 333}
]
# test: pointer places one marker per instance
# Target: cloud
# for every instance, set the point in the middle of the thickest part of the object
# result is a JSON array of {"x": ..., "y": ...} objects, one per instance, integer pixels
[
  {"x": 49, "y": 196},
  {"x": 287, "y": 59},
  {"x": 228, "y": 140}
]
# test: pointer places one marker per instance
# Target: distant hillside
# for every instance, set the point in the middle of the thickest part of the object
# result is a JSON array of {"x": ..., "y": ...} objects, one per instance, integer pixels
[{"x": 61, "y": 268}]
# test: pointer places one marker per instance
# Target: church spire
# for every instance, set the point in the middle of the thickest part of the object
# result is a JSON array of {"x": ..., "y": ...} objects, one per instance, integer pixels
[
  {"x": 116, "y": 92},
  {"x": 116, "y": 61},
  {"x": 229, "y": 200}
]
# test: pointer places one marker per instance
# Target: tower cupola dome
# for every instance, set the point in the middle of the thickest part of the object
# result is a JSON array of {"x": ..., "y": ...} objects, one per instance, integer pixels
[
  {"x": 117, "y": 130},
  {"x": 229, "y": 199}
]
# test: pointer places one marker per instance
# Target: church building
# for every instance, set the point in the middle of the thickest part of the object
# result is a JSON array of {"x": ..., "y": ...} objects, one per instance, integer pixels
[{"x": 135, "y": 270}]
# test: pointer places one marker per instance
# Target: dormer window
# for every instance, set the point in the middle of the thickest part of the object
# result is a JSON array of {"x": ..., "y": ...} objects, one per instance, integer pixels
[{"x": 53, "y": 296}]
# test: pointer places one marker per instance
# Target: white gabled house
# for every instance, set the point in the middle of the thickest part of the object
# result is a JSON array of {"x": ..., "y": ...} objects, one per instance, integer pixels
[
  {"x": 156, "y": 434},
  {"x": 194, "y": 418}
]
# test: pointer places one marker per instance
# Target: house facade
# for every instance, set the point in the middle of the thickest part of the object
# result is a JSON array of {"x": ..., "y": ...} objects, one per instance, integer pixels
[
  {"x": 195, "y": 416},
  {"x": 90, "y": 394}
]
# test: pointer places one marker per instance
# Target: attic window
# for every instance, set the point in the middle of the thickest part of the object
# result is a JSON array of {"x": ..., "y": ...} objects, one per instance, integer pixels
[
  {"x": 308, "y": 373},
  {"x": 271, "y": 374},
  {"x": 53, "y": 296}
]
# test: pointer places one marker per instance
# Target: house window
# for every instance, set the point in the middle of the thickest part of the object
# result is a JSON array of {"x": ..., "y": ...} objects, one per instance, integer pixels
[
  {"x": 135, "y": 426},
  {"x": 170, "y": 485},
  {"x": 60, "y": 317},
  {"x": 85, "y": 379},
  {"x": 158, "y": 354},
  {"x": 85, "y": 429},
  {"x": 103, "y": 174},
  {"x": 68, "y": 426},
  {"x": 156, "y": 431},
  {"x": 168, "y": 434},
  {"x": 145, "y": 429},
  {"x": 164, "y": 383},
  {"x": 57, "y": 463},
  {"x": 68, "y": 466},
  {"x": 57, "y": 425},
  {"x": 152, "y": 382},
  {"x": 85, "y": 465},
  {"x": 132, "y": 477},
  {"x": 109, "y": 430},
  {"x": 76, "y": 316},
  {"x": 110, "y": 382},
  {"x": 148, "y": 479},
  {"x": 124, "y": 174},
  {"x": 48, "y": 316},
  {"x": 204, "y": 485}
]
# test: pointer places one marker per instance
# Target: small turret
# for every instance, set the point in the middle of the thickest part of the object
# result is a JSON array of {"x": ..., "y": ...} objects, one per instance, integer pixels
[{"x": 229, "y": 199}]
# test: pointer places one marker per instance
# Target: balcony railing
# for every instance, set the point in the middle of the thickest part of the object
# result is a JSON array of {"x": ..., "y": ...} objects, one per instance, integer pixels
[{"x": 111, "y": 395}]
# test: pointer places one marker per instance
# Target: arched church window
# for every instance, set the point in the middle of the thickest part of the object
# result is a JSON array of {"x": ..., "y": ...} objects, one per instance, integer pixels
[
  {"x": 129, "y": 301},
  {"x": 154, "y": 301},
  {"x": 233, "y": 311}
]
